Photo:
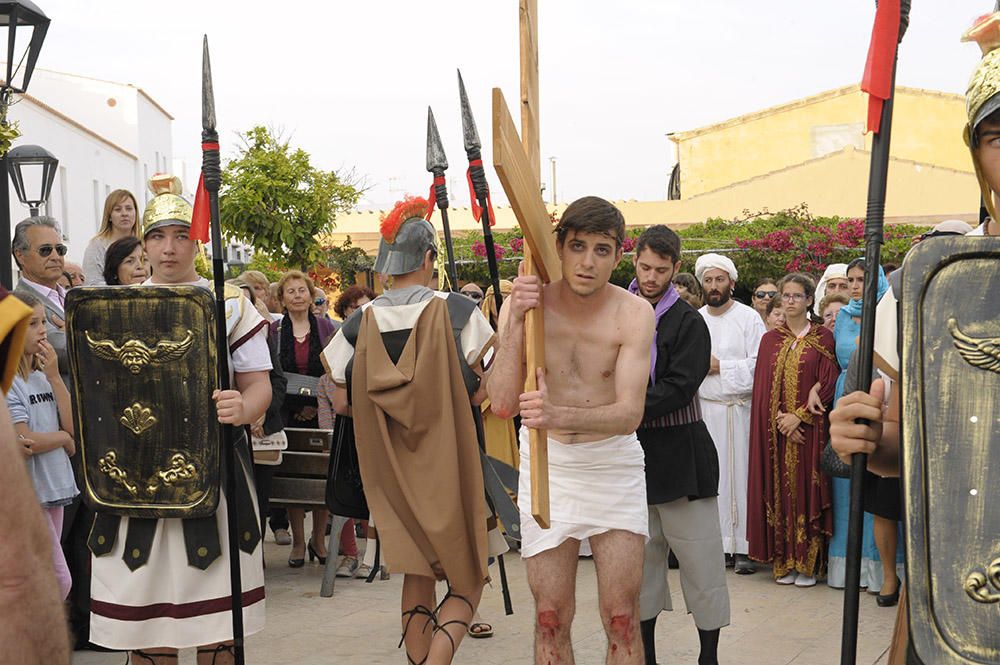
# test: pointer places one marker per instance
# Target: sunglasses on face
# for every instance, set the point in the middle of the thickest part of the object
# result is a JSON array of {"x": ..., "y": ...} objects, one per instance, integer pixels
[
  {"x": 45, "y": 250},
  {"x": 472, "y": 294},
  {"x": 319, "y": 302},
  {"x": 765, "y": 294}
]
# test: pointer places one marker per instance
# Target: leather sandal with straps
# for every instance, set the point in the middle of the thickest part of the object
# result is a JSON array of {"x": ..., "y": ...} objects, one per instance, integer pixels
[
  {"x": 151, "y": 656},
  {"x": 422, "y": 610},
  {"x": 216, "y": 650},
  {"x": 440, "y": 627}
]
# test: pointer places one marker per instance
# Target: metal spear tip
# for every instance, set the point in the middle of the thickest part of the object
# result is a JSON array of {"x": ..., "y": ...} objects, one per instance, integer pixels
[
  {"x": 207, "y": 94},
  {"x": 469, "y": 132},
  {"x": 436, "y": 159}
]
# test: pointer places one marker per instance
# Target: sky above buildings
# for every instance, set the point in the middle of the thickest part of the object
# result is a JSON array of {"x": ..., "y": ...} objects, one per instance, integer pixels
[{"x": 350, "y": 82}]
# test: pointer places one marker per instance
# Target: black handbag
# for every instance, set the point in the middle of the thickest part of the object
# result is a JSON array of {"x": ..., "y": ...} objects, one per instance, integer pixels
[
  {"x": 830, "y": 464},
  {"x": 345, "y": 493},
  {"x": 301, "y": 385}
]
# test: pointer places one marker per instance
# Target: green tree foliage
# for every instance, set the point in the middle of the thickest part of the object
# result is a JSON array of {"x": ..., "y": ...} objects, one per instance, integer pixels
[
  {"x": 272, "y": 268},
  {"x": 760, "y": 244},
  {"x": 275, "y": 200},
  {"x": 347, "y": 261}
]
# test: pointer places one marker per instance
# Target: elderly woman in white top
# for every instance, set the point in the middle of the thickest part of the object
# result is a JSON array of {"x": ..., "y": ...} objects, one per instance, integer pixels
[
  {"x": 833, "y": 281},
  {"x": 120, "y": 220}
]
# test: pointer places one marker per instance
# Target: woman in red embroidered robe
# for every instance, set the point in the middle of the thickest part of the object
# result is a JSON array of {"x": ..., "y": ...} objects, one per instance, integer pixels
[{"x": 789, "y": 499}]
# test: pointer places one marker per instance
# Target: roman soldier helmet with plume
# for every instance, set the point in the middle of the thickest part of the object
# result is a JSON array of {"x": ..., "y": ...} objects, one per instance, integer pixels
[{"x": 406, "y": 237}]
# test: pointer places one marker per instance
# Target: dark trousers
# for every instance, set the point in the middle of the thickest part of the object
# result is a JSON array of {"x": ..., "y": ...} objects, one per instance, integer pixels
[
  {"x": 262, "y": 474},
  {"x": 78, "y": 519}
]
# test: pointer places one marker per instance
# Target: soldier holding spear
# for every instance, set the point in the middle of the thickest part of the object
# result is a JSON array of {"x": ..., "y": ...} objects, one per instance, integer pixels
[{"x": 161, "y": 585}]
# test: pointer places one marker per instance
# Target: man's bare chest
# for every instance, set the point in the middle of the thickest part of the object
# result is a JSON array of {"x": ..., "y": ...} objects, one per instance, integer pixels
[{"x": 580, "y": 355}]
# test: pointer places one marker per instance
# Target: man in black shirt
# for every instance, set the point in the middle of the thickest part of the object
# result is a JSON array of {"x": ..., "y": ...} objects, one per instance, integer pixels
[{"x": 682, "y": 465}]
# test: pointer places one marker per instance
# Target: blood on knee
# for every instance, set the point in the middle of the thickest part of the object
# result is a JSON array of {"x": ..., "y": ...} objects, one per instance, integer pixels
[
  {"x": 621, "y": 628},
  {"x": 548, "y": 622}
]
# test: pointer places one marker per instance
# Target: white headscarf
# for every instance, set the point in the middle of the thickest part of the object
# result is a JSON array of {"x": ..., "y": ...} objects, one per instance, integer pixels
[
  {"x": 709, "y": 261},
  {"x": 833, "y": 271}
]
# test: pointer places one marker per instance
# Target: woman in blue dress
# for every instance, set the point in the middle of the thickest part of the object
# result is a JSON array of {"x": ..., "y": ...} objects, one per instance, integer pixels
[{"x": 845, "y": 333}]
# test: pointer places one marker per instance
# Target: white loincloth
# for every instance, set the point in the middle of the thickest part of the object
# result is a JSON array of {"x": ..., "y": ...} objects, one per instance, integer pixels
[
  {"x": 167, "y": 603},
  {"x": 593, "y": 488}
]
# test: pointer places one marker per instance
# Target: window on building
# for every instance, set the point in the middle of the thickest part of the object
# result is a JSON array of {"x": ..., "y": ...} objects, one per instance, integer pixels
[{"x": 834, "y": 138}]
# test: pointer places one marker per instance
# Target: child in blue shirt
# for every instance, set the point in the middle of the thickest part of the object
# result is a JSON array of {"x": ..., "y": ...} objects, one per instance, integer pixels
[{"x": 40, "y": 410}]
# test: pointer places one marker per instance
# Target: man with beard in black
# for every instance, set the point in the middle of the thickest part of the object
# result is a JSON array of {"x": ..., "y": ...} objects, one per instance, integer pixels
[{"x": 682, "y": 466}]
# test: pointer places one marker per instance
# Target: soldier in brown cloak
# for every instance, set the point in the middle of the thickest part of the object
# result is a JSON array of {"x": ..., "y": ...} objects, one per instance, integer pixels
[{"x": 406, "y": 366}]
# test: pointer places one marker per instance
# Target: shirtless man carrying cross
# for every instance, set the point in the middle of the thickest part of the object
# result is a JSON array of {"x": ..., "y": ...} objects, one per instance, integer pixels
[{"x": 598, "y": 339}]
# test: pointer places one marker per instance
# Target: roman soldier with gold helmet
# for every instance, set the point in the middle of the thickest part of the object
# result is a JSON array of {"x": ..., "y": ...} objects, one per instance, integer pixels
[
  {"x": 936, "y": 345},
  {"x": 145, "y": 377}
]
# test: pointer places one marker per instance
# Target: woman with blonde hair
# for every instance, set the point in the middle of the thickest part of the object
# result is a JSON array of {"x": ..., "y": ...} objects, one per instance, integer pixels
[{"x": 119, "y": 220}]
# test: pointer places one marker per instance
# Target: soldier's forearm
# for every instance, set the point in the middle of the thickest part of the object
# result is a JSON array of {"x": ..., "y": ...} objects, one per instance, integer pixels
[{"x": 256, "y": 390}]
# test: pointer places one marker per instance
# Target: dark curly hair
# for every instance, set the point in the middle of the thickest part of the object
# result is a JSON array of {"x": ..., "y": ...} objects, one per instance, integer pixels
[{"x": 351, "y": 295}]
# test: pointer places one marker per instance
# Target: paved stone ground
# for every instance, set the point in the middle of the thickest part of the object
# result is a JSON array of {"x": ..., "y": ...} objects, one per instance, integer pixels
[{"x": 771, "y": 625}]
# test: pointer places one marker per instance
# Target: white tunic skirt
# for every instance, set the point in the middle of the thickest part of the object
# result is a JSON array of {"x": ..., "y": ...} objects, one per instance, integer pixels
[
  {"x": 593, "y": 488},
  {"x": 168, "y": 603}
]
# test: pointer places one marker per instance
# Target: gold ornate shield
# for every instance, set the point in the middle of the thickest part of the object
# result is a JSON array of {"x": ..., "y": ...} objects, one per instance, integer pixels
[
  {"x": 143, "y": 366},
  {"x": 950, "y": 316}
]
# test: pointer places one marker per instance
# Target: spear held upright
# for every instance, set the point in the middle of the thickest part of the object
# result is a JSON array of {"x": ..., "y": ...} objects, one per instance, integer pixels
[
  {"x": 891, "y": 19},
  {"x": 437, "y": 164},
  {"x": 208, "y": 194},
  {"x": 482, "y": 205}
]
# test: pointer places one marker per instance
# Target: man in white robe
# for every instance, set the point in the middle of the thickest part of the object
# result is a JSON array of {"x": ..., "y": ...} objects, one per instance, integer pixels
[{"x": 736, "y": 330}]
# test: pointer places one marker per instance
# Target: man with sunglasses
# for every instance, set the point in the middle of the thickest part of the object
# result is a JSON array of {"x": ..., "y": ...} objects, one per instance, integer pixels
[{"x": 39, "y": 253}]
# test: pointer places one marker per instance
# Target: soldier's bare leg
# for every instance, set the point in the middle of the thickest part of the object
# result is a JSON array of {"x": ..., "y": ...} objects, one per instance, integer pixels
[
  {"x": 618, "y": 559},
  {"x": 417, "y": 606},
  {"x": 552, "y": 580},
  {"x": 453, "y": 618}
]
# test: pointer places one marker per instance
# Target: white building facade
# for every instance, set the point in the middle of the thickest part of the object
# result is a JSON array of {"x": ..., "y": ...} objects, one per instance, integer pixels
[{"x": 106, "y": 136}]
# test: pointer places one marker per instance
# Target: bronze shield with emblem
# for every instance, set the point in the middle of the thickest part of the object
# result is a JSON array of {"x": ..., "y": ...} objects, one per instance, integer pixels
[
  {"x": 950, "y": 318},
  {"x": 143, "y": 361}
]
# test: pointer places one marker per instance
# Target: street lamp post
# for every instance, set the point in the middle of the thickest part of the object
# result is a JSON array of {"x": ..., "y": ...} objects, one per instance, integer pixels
[
  {"x": 33, "y": 190},
  {"x": 26, "y": 26}
]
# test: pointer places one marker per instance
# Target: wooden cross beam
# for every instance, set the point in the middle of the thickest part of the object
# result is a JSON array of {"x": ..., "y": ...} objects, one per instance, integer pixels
[{"x": 521, "y": 185}]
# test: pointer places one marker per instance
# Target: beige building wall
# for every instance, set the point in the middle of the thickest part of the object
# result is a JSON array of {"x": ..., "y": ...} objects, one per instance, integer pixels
[
  {"x": 810, "y": 151},
  {"x": 927, "y": 128},
  {"x": 836, "y": 184}
]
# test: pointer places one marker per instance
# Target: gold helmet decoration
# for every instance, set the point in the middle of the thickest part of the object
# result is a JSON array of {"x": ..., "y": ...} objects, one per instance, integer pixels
[
  {"x": 167, "y": 207},
  {"x": 983, "y": 95}
]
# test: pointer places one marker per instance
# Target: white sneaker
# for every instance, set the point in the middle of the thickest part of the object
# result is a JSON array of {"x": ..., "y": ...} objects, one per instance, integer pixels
[
  {"x": 363, "y": 571},
  {"x": 805, "y": 580},
  {"x": 282, "y": 537},
  {"x": 348, "y": 565},
  {"x": 790, "y": 578}
]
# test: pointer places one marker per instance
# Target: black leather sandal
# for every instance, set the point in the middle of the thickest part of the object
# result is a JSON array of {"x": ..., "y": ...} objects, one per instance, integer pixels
[
  {"x": 440, "y": 627},
  {"x": 150, "y": 656},
  {"x": 409, "y": 614},
  {"x": 216, "y": 650}
]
